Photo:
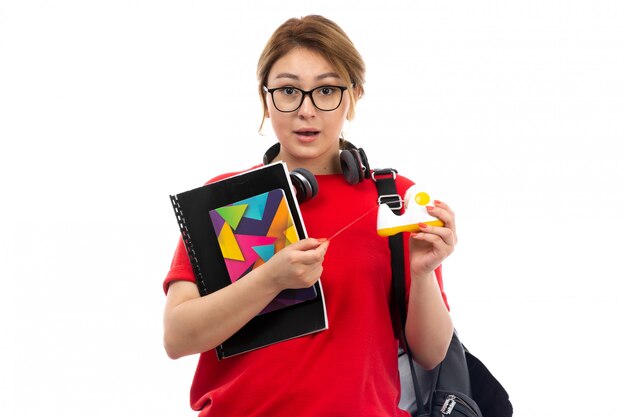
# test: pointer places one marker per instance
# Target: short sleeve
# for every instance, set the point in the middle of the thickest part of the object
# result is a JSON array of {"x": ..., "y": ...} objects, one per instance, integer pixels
[{"x": 181, "y": 269}]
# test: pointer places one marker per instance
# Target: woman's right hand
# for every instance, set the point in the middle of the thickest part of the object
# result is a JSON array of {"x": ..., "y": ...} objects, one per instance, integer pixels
[
  {"x": 298, "y": 265},
  {"x": 194, "y": 324}
]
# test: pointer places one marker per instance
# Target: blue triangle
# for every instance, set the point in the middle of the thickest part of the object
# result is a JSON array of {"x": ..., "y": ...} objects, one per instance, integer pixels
[
  {"x": 256, "y": 206},
  {"x": 265, "y": 251}
]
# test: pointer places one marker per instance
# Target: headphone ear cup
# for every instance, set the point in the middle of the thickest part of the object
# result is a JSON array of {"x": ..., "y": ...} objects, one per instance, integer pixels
[
  {"x": 305, "y": 184},
  {"x": 365, "y": 164},
  {"x": 351, "y": 166}
]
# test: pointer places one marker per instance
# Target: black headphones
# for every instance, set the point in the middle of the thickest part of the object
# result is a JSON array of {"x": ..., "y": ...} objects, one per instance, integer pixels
[{"x": 354, "y": 166}]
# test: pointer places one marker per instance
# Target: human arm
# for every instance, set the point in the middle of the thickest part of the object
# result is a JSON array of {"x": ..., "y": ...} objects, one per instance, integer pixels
[
  {"x": 429, "y": 325},
  {"x": 194, "y": 324}
]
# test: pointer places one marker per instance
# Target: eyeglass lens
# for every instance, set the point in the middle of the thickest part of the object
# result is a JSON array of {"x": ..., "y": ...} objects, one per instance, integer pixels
[{"x": 324, "y": 98}]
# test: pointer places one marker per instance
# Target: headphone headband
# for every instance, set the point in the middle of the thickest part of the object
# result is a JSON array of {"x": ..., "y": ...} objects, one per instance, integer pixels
[{"x": 271, "y": 153}]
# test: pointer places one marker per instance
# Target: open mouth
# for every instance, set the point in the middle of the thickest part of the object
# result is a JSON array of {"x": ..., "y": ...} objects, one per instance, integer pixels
[{"x": 308, "y": 132}]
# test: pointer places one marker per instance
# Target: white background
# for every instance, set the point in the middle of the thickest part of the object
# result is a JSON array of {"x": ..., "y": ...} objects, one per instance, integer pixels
[{"x": 513, "y": 112}]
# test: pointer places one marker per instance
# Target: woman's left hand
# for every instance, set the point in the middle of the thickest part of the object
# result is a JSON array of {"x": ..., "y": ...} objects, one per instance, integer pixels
[{"x": 432, "y": 244}]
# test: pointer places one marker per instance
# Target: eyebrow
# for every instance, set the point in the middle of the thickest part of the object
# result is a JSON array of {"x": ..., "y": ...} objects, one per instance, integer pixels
[{"x": 319, "y": 77}]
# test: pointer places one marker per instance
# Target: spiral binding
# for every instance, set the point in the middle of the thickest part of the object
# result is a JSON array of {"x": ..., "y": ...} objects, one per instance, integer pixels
[{"x": 184, "y": 232}]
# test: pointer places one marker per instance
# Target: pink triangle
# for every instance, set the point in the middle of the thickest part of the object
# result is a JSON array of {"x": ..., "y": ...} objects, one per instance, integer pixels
[{"x": 246, "y": 244}]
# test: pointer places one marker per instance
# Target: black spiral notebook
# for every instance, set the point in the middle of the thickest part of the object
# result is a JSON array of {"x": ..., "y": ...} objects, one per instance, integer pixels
[{"x": 231, "y": 226}]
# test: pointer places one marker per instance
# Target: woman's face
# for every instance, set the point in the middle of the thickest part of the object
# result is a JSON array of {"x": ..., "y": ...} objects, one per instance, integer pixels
[{"x": 309, "y": 137}]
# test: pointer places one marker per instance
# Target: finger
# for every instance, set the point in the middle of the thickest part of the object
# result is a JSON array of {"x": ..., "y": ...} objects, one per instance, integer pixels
[
  {"x": 446, "y": 234},
  {"x": 315, "y": 275},
  {"x": 307, "y": 244},
  {"x": 442, "y": 213},
  {"x": 443, "y": 205},
  {"x": 439, "y": 248},
  {"x": 314, "y": 255},
  {"x": 433, "y": 239},
  {"x": 445, "y": 215}
]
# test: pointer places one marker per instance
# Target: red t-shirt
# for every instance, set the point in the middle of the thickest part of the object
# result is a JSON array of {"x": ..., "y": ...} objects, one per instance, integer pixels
[{"x": 349, "y": 370}]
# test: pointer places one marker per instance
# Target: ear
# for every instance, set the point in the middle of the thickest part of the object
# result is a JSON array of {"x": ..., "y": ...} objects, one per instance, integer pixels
[{"x": 358, "y": 93}]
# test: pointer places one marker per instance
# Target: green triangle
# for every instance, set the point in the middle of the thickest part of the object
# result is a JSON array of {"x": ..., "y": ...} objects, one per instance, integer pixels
[{"x": 232, "y": 214}]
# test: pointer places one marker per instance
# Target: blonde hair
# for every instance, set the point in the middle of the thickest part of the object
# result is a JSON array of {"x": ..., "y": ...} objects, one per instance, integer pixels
[{"x": 323, "y": 36}]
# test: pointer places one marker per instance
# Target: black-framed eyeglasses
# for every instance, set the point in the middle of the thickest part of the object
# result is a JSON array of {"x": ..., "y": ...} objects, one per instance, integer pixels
[{"x": 289, "y": 99}]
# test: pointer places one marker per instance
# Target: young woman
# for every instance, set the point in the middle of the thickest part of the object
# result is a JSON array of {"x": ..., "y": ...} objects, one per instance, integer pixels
[{"x": 310, "y": 78}]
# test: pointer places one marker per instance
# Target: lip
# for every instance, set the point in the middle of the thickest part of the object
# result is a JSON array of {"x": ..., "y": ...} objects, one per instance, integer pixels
[{"x": 306, "y": 134}]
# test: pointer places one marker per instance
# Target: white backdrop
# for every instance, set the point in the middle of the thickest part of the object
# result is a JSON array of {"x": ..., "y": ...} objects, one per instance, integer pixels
[{"x": 513, "y": 112}]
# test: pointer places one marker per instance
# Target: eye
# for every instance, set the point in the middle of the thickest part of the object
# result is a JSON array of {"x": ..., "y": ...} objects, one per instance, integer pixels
[
  {"x": 326, "y": 90},
  {"x": 288, "y": 91}
]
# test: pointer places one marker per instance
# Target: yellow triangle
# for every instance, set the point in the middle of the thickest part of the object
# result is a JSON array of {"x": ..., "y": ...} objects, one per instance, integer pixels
[
  {"x": 228, "y": 244},
  {"x": 292, "y": 235}
]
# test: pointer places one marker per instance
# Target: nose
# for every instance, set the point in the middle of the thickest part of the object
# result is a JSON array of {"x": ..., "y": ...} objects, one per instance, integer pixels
[{"x": 307, "y": 108}]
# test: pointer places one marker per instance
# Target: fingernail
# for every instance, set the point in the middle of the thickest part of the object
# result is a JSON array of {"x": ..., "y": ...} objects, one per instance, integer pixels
[
  {"x": 429, "y": 208},
  {"x": 422, "y": 225},
  {"x": 322, "y": 240},
  {"x": 437, "y": 202}
]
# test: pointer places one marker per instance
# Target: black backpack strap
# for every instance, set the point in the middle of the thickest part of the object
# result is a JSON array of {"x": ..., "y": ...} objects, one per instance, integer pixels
[{"x": 385, "y": 180}]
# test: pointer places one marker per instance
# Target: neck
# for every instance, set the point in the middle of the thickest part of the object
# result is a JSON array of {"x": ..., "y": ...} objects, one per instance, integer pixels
[
  {"x": 326, "y": 164},
  {"x": 317, "y": 167}
]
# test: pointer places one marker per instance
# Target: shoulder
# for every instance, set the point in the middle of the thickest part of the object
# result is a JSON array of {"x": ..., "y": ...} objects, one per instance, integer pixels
[{"x": 403, "y": 183}]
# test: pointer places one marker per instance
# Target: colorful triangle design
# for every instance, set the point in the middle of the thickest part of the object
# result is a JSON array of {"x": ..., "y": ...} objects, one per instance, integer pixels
[
  {"x": 265, "y": 251},
  {"x": 256, "y": 206},
  {"x": 246, "y": 243},
  {"x": 228, "y": 244},
  {"x": 232, "y": 214},
  {"x": 292, "y": 235}
]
